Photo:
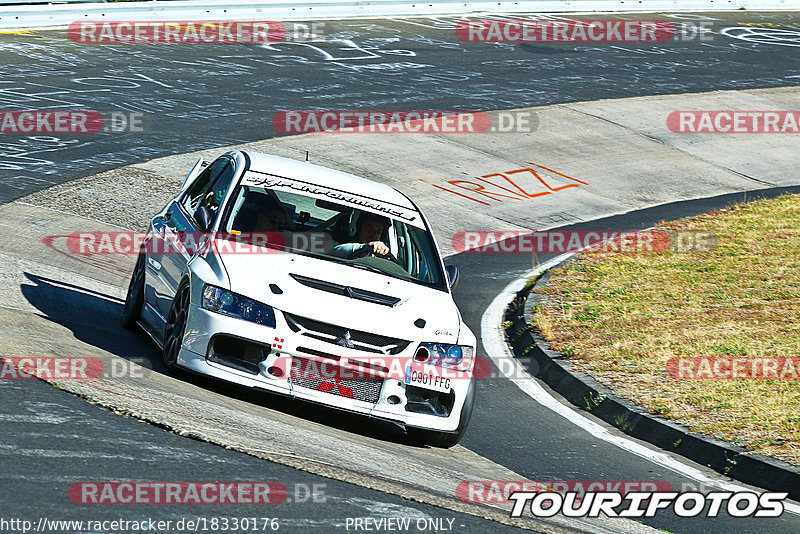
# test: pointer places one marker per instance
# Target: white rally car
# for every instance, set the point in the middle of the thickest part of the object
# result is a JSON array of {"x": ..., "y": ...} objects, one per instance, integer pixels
[{"x": 262, "y": 272}]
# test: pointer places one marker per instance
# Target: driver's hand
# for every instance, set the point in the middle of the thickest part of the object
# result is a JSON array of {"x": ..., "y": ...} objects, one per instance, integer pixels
[{"x": 379, "y": 248}]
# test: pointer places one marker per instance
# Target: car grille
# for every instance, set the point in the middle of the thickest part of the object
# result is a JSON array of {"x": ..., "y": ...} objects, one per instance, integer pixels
[
  {"x": 362, "y": 389},
  {"x": 364, "y": 341}
]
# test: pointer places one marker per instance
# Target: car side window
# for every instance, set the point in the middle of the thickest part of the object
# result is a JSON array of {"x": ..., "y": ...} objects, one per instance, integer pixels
[{"x": 210, "y": 187}]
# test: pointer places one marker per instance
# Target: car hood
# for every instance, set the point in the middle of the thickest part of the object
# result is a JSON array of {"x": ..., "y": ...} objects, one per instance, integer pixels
[{"x": 312, "y": 287}]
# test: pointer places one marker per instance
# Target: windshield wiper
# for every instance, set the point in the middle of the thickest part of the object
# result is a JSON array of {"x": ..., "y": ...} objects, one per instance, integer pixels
[
  {"x": 372, "y": 268},
  {"x": 367, "y": 268},
  {"x": 362, "y": 266}
]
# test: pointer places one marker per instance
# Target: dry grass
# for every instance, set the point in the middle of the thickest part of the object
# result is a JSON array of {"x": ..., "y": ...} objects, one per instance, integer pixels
[{"x": 622, "y": 316}]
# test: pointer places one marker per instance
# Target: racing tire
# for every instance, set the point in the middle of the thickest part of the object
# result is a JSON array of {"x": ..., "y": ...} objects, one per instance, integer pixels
[
  {"x": 445, "y": 440},
  {"x": 134, "y": 299},
  {"x": 176, "y": 326}
]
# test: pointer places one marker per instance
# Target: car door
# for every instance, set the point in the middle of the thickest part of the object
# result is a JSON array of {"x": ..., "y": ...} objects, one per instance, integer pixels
[
  {"x": 156, "y": 290},
  {"x": 181, "y": 229}
]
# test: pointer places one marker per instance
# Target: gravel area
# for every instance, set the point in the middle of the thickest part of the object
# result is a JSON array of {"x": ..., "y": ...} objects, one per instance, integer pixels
[{"x": 126, "y": 197}]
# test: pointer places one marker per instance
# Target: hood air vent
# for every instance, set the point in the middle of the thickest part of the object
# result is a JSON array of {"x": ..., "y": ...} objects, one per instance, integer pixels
[{"x": 347, "y": 291}]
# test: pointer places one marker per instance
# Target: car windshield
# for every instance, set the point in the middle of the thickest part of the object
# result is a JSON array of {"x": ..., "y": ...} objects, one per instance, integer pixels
[{"x": 336, "y": 232}]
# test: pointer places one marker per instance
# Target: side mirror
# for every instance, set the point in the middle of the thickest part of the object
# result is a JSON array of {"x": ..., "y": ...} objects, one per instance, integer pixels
[
  {"x": 452, "y": 275},
  {"x": 204, "y": 217}
]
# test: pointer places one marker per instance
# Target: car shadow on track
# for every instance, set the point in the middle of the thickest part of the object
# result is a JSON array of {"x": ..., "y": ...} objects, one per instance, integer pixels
[
  {"x": 92, "y": 317},
  {"x": 96, "y": 319}
]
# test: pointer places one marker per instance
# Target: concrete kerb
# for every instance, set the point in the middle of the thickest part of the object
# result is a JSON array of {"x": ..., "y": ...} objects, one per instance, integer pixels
[{"x": 536, "y": 355}]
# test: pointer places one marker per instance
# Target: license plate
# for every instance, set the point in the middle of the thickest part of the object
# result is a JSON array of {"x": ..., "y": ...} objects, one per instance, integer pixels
[{"x": 427, "y": 380}]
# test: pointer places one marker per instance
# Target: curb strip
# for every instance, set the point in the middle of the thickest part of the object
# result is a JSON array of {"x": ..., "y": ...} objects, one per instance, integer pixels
[{"x": 536, "y": 355}]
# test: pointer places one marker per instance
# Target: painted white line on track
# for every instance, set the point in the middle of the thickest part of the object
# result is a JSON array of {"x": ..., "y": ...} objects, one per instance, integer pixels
[{"x": 495, "y": 346}]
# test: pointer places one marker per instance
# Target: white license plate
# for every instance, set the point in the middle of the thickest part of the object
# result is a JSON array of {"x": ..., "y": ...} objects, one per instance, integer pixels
[{"x": 427, "y": 380}]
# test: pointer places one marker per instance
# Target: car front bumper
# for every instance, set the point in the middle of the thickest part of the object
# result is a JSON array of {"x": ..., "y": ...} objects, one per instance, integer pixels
[{"x": 280, "y": 350}]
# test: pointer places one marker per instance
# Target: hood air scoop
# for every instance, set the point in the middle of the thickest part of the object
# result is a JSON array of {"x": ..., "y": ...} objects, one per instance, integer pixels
[{"x": 347, "y": 291}]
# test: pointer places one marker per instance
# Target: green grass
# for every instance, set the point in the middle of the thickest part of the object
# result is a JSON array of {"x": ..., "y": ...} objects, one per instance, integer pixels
[{"x": 621, "y": 317}]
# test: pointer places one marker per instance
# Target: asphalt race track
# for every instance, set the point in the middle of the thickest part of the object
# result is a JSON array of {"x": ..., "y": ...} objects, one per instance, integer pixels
[
  {"x": 201, "y": 97},
  {"x": 52, "y": 439},
  {"x": 233, "y": 91}
]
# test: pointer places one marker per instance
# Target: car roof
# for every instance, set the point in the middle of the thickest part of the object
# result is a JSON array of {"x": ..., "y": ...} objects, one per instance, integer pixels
[{"x": 323, "y": 176}]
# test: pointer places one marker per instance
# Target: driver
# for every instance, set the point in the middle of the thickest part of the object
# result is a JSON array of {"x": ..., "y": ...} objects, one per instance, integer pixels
[
  {"x": 370, "y": 228},
  {"x": 271, "y": 217}
]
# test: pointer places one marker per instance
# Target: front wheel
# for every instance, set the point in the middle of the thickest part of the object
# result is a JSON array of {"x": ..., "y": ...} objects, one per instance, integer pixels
[
  {"x": 446, "y": 440},
  {"x": 176, "y": 326},
  {"x": 134, "y": 300}
]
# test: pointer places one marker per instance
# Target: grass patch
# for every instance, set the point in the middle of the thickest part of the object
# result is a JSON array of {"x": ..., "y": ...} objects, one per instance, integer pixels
[{"x": 621, "y": 317}]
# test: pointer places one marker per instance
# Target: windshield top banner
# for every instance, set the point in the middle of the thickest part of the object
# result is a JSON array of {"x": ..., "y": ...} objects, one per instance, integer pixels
[{"x": 352, "y": 200}]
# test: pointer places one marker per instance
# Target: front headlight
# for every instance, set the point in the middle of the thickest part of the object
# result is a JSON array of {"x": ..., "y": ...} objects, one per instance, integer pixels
[
  {"x": 225, "y": 302},
  {"x": 458, "y": 357}
]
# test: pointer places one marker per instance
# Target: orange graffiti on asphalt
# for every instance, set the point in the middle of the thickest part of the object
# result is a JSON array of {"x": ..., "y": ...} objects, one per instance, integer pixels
[{"x": 498, "y": 192}]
